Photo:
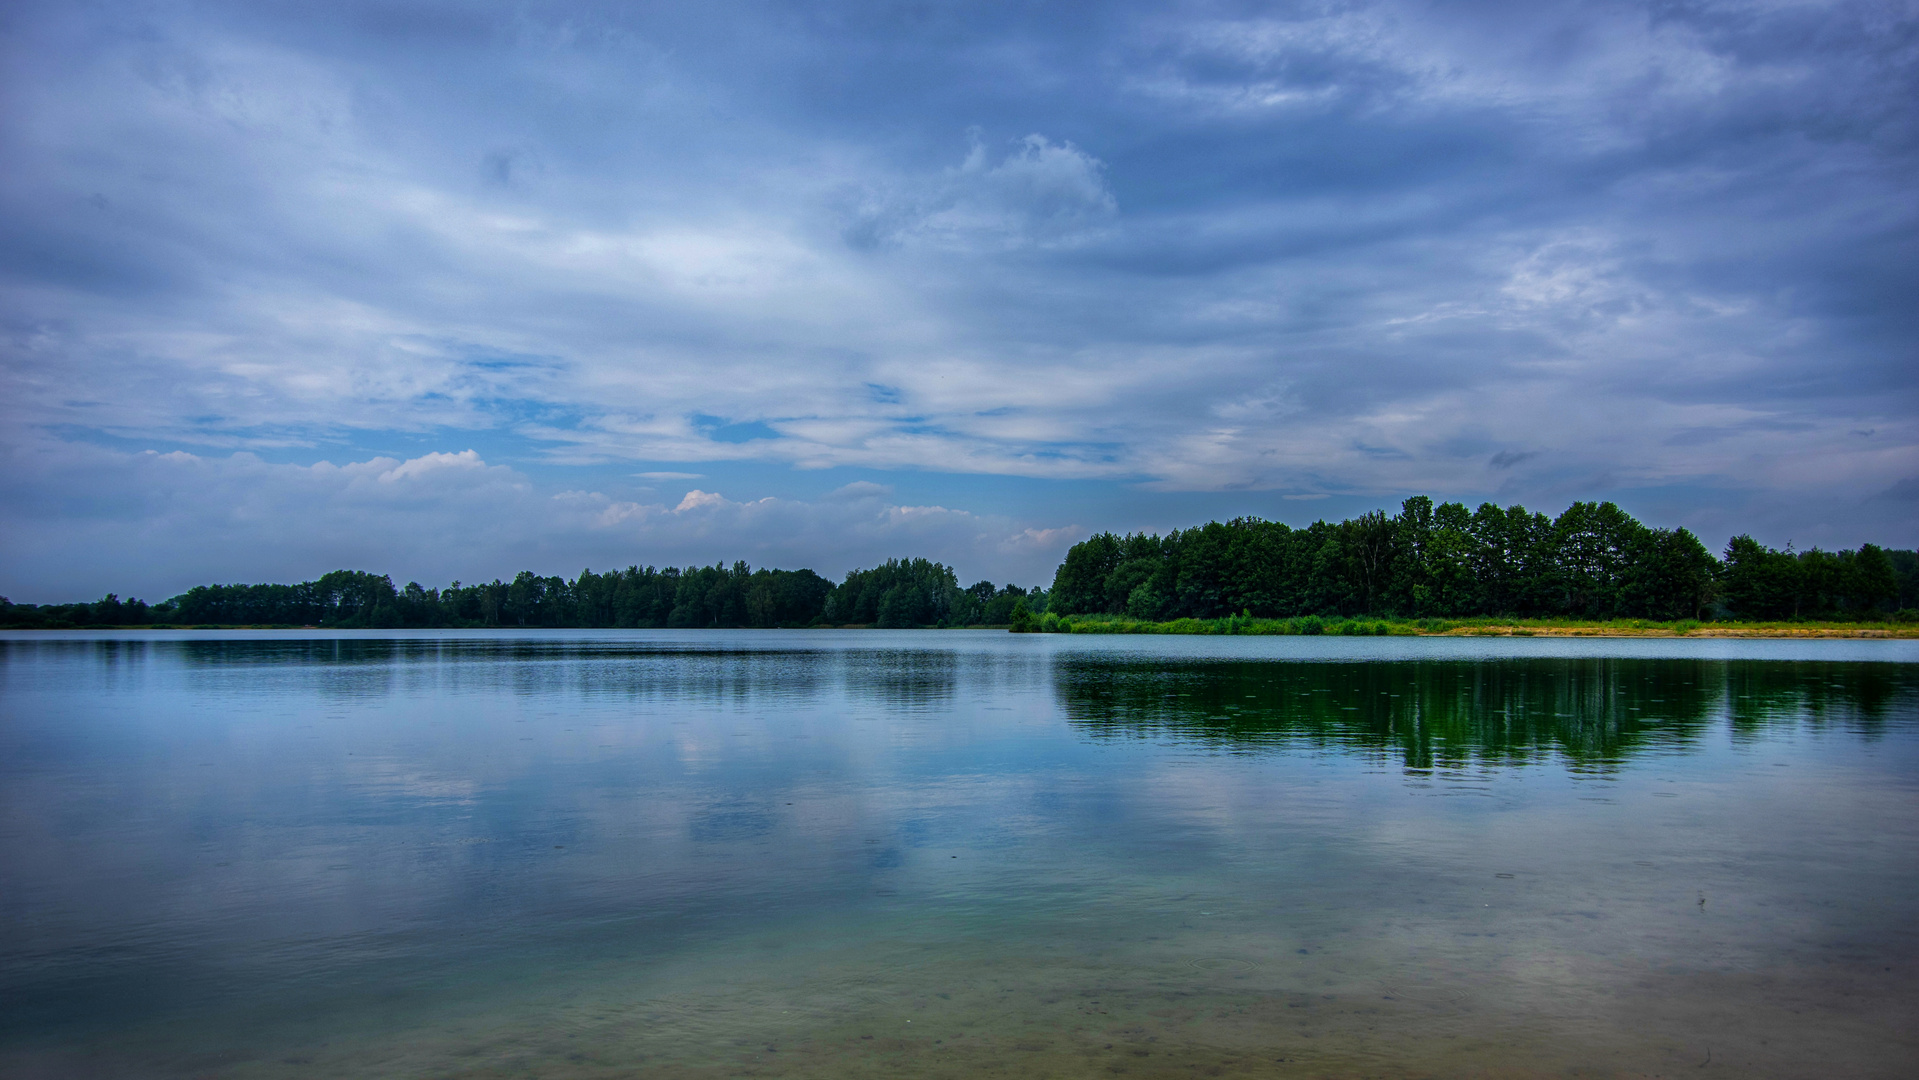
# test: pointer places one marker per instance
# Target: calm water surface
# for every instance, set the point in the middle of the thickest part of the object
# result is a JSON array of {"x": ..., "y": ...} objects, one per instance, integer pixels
[{"x": 955, "y": 854}]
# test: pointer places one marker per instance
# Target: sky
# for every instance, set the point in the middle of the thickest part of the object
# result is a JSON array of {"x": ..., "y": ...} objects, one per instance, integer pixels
[{"x": 450, "y": 290}]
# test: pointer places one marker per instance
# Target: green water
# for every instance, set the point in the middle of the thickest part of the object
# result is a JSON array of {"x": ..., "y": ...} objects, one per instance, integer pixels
[{"x": 955, "y": 854}]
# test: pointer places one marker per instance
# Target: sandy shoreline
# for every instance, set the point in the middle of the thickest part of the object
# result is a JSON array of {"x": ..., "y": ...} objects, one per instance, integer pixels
[{"x": 1660, "y": 632}]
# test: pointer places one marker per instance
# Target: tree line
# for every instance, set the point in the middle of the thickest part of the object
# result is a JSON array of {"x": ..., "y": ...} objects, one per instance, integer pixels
[
  {"x": 898, "y": 593},
  {"x": 1594, "y": 561}
]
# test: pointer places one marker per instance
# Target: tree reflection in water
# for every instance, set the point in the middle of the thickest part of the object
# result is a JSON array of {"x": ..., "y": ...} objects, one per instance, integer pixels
[{"x": 1592, "y": 713}]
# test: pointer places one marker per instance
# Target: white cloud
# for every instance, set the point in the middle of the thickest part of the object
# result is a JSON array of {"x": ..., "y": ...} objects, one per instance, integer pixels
[
  {"x": 1039, "y": 194},
  {"x": 1355, "y": 248},
  {"x": 154, "y": 524},
  {"x": 697, "y": 500},
  {"x": 427, "y": 466}
]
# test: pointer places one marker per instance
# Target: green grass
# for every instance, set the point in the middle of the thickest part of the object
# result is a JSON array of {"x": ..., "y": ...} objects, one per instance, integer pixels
[
  {"x": 1237, "y": 624},
  {"x": 1311, "y": 625}
]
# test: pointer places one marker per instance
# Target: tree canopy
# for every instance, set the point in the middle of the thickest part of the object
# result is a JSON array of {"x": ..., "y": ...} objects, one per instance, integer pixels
[
  {"x": 1594, "y": 561},
  {"x": 901, "y": 592}
]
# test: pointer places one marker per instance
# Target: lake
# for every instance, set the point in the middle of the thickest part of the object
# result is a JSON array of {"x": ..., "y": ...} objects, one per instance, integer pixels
[{"x": 954, "y": 853}]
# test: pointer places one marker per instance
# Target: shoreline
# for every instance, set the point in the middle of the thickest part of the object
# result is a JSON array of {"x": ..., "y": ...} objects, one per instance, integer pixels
[
  {"x": 1312, "y": 625},
  {"x": 1309, "y": 626},
  {"x": 1661, "y": 632}
]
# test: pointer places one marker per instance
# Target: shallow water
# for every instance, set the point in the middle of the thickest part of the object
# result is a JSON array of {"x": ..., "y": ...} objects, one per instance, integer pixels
[{"x": 574, "y": 854}]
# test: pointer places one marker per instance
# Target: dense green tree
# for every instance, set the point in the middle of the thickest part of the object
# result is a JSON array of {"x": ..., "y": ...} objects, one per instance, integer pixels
[
  {"x": 1594, "y": 561},
  {"x": 1869, "y": 584},
  {"x": 1443, "y": 581},
  {"x": 898, "y": 592},
  {"x": 1669, "y": 574},
  {"x": 1512, "y": 560},
  {"x": 1080, "y": 582},
  {"x": 1757, "y": 582},
  {"x": 1905, "y": 570},
  {"x": 1593, "y": 544}
]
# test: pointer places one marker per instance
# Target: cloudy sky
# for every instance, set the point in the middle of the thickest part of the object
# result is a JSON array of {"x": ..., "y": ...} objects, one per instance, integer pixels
[{"x": 451, "y": 289}]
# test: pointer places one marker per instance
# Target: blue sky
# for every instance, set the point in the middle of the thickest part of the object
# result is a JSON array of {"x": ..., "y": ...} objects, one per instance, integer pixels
[{"x": 451, "y": 289}]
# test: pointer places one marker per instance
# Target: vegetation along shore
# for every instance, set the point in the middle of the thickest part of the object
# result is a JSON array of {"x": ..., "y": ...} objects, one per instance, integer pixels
[
  {"x": 1309, "y": 625},
  {"x": 1430, "y": 569}
]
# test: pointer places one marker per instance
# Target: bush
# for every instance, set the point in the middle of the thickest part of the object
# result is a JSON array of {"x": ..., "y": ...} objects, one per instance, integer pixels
[{"x": 1022, "y": 618}]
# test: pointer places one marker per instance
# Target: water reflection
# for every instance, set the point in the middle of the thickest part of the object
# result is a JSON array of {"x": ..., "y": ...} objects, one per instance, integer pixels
[
  {"x": 1859, "y": 698},
  {"x": 1594, "y": 713},
  {"x": 899, "y": 678},
  {"x": 947, "y": 854}
]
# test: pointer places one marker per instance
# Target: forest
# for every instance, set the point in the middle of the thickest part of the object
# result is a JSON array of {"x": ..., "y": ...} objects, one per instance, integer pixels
[
  {"x": 1594, "y": 561},
  {"x": 898, "y": 593}
]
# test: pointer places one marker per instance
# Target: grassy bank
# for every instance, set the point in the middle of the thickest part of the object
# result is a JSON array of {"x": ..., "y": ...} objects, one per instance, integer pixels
[{"x": 1310, "y": 625}]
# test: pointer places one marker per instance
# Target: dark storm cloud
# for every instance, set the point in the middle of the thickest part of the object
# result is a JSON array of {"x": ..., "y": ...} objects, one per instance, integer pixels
[{"x": 1549, "y": 251}]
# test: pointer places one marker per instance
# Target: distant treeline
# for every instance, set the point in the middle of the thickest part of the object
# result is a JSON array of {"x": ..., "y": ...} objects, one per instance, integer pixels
[
  {"x": 1593, "y": 562},
  {"x": 899, "y": 593}
]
